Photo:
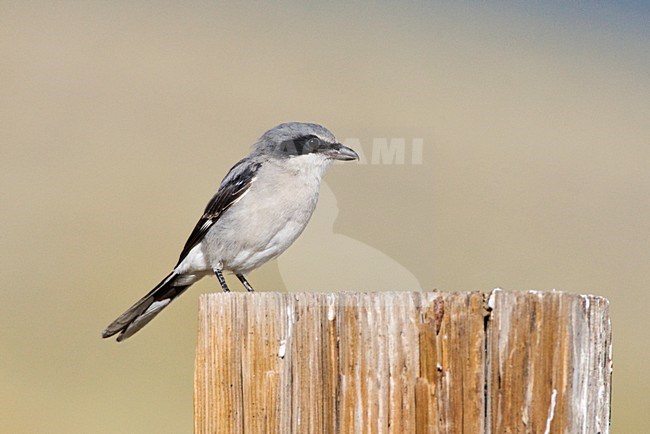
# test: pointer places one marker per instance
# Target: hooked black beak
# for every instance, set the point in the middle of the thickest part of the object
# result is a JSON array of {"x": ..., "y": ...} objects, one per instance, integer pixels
[{"x": 342, "y": 153}]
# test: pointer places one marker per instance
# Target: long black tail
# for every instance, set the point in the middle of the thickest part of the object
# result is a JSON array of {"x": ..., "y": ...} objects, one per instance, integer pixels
[{"x": 138, "y": 315}]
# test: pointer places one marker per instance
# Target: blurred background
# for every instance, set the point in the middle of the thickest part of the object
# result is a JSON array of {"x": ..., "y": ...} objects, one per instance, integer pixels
[{"x": 119, "y": 120}]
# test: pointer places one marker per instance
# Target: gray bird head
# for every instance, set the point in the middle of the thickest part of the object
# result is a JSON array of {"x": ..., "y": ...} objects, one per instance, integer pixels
[{"x": 295, "y": 139}]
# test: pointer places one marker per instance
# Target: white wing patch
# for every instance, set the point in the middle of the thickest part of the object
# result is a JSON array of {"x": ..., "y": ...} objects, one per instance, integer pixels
[{"x": 244, "y": 193}]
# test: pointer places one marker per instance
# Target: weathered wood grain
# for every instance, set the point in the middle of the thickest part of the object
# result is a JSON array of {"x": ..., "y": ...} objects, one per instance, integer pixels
[
  {"x": 549, "y": 363},
  {"x": 409, "y": 362}
]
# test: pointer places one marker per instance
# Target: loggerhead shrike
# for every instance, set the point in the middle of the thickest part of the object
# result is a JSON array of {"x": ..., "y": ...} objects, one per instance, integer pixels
[{"x": 262, "y": 205}]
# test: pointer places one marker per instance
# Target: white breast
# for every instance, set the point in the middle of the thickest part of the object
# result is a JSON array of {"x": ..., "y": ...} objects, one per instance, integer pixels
[{"x": 268, "y": 218}]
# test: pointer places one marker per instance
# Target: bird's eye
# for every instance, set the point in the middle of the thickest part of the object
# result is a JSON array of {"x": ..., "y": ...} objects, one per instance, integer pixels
[{"x": 313, "y": 143}]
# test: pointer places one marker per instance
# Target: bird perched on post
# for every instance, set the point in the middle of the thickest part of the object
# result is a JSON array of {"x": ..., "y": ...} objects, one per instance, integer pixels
[{"x": 262, "y": 205}]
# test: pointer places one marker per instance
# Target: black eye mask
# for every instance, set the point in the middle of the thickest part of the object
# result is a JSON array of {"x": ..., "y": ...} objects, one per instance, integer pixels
[{"x": 302, "y": 145}]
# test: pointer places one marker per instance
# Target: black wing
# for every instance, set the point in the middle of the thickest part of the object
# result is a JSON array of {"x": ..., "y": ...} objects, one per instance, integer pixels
[{"x": 233, "y": 186}]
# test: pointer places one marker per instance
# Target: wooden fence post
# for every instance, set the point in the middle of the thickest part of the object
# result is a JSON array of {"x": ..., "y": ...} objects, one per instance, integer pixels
[{"x": 403, "y": 362}]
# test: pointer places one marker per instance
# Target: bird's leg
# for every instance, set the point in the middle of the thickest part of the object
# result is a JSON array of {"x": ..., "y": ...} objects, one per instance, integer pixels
[
  {"x": 222, "y": 281},
  {"x": 244, "y": 282}
]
